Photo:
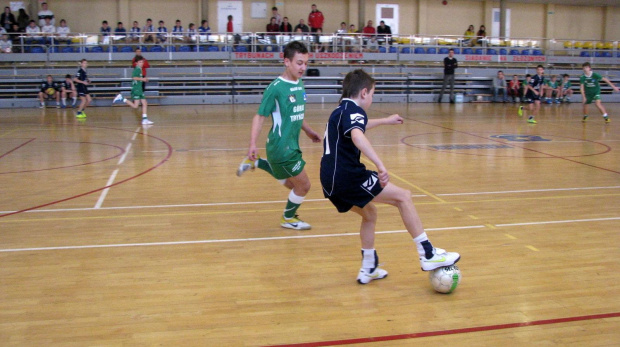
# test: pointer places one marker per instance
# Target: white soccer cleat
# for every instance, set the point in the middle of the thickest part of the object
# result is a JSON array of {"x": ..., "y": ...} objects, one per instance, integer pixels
[
  {"x": 440, "y": 258},
  {"x": 246, "y": 165},
  {"x": 294, "y": 223},
  {"x": 364, "y": 277},
  {"x": 118, "y": 98},
  {"x": 146, "y": 121}
]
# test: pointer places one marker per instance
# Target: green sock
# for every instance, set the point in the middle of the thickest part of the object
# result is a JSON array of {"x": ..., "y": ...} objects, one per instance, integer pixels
[
  {"x": 264, "y": 165},
  {"x": 292, "y": 205}
]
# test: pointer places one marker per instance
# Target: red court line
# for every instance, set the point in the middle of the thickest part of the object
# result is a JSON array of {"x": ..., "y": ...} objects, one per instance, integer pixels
[
  {"x": 111, "y": 185},
  {"x": 16, "y": 148},
  {"x": 452, "y": 331}
]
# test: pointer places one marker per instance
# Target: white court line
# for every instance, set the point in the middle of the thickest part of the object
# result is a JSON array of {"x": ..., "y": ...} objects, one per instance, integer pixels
[
  {"x": 122, "y": 159},
  {"x": 528, "y": 191},
  {"x": 558, "y": 222},
  {"x": 104, "y": 193},
  {"x": 173, "y": 243}
]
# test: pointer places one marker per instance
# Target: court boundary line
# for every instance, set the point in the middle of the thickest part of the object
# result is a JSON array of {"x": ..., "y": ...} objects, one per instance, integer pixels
[
  {"x": 18, "y": 147},
  {"x": 291, "y": 237},
  {"x": 433, "y": 333}
]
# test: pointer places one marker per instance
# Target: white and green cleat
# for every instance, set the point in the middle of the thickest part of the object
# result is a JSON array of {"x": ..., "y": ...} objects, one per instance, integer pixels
[{"x": 440, "y": 258}]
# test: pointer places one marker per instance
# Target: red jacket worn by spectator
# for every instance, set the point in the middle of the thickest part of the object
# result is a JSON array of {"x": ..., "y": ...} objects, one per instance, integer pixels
[
  {"x": 369, "y": 30},
  {"x": 315, "y": 19}
]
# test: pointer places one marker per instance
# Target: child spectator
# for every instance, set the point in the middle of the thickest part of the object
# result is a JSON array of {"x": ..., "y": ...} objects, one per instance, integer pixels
[
  {"x": 6, "y": 46},
  {"x": 304, "y": 28},
  {"x": 553, "y": 88},
  {"x": 343, "y": 29},
  {"x": 63, "y": 32},
  {"x": 45, "y": 13},
  {"x": 514, "y": 87},
  {"x": 162, "y": 32},
  {"x": 134, "y": 32},
  {"x": 148, "y": 31},
  {"x": 315, "y": 19},
  {"x": 286, "y": 27},
  {"x": 481, "y": 35},
  {"x": 33, "y": 32},
  {"x": 192, "y": 34},
  {"x": 23, "y": 19},
  {"x": 177, "y": 30},
  {"x": 229, "y": 26},
  {"x": 469, "y": 36},
  {"x": 204, "y": 27},
  {"x": 120, "y": 31},
  {"x": 272, "y": 27},
  {"x": 48, "y": 30},
  {"x": 276, "y": 15},
  {"x": 105, "y": 29},
  {"x": 499, "y": 86},
  {"x": 567, "y": 92},
  {"x": 524, "y": 89}
]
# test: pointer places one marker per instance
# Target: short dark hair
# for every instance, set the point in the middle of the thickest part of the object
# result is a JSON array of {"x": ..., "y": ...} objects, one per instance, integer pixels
[
  {"x": 528, "y": 75},
  {"x": 104, "y": 22},
  {"x": 138, "y": 58},
  {"x": 565, "y": 75},
  {"x": 230, "y": 17},
  {"x": 203, "y": 21},
  {"x": 274, "y": 8},
  {"x": 355, "y": 81},
  {"x": 83, "y": 60},
  {"x": 293, "y": 48},
  {"x": 149, "y": 20},
  {"x": 540, "y": 66},
  {"x": 67, "y": 76},
  {"x": 451, "y": 50},
  {"x": 586, "y": 64},
  {"x": 119, "y": 23},
  {"x": 500, "y": 71}
]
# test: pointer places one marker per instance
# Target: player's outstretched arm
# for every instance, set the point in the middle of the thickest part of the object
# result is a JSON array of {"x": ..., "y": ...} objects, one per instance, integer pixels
[
  {"x": 362, "y": 143},
  {"x": 257, "y": 125},
  {"x": 606, "y": 80},
  {"x": 310, "y": 133},
  {"x": 391, "y": 120}
]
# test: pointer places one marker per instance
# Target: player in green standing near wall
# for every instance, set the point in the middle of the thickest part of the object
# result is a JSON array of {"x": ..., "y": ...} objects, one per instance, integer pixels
[{"x": 591, "y": 90}]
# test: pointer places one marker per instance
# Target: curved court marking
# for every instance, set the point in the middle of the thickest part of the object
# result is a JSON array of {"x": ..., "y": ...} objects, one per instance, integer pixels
[
  {"x": 170, "y": 150},
  {"x": 121, "y": 152},
  {"x": 16, "y": 148},
  {"x": 453, "y": 331}
]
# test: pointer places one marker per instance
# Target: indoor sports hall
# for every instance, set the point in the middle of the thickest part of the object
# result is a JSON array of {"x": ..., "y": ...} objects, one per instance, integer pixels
[{"x": 115, "y": 233}]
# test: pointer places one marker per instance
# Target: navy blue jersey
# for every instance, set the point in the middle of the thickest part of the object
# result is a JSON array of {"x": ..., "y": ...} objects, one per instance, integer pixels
[
  {"x": 65, "y": 84},
  {"x": 537, "y": 82},
  {"x": 81, "y": 75},
  {"x": 341, "y": 166},
  {"x": 45, "y": 86}
]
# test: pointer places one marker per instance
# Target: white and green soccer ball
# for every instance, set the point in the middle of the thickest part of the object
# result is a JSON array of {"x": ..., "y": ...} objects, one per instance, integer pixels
[{"x": 445, "y": 279}]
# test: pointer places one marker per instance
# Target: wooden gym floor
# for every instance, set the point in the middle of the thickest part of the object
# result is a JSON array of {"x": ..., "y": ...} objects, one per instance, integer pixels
[{"x": 116, "y": 235}]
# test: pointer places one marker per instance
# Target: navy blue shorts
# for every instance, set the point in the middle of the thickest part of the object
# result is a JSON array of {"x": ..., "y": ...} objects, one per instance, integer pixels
[
  {"x": 359, "y": 194},
  {"x": 82, "y": 90},
  {"x": 532, "y": 97}
]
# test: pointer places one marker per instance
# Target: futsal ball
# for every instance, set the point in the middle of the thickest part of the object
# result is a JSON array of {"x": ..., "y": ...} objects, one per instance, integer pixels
[
  {"x": 50, "y": 91},
  {"x": 445, "y": 279}
]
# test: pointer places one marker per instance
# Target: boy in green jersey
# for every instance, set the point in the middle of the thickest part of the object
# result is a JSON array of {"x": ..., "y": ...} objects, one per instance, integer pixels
[
  {"x": 285, "y": 101},
  {"x": 137, "y": 94},
  {"x": 567, "y": 92},
  {"x": 591, "y": 90},
  {"x": 553, "y": 87}
]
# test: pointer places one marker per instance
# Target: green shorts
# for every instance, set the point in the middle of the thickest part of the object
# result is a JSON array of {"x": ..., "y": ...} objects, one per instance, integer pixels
[
  {"x": 137, "y": 94},
  {"x": 289, "y": 168},
  {"x": 592, "y": 97}
]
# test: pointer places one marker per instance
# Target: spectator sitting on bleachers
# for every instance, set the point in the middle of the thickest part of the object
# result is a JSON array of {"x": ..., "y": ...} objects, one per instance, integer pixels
[
  {"x": 373, "y": 45},
  {"x": 48, "y": 30},
  {"x": 514, "y": 88},
  {"x": 45, "y": 13},
  {"x": 304, "y": 28},
  {"x": 272, "y": 27},
  {"x": 352, "y": 29},
  {"x": 3, "y": 31},
  {"x": 33, "y": 32},
  {"x": 385, "y": 31},
  {"x": 7, "y": 19},
  {"x": 525, "y": 83},
  {"x": 148, "y": 31},
  {"x": 192, "y": 34},
  {"x": 499, "y": 86},
  {"x": 342, "y": 30},
  {"x": 177, "y": 30},
  {"x": 63, "y": 32},
  {"x": 319, "y": 46},
  {"x": 286, "y": 27},
  {"x": 553, "y": 88},
  {"x": 105, "y": 29},
  {"x": 468, "y": 36},
  {"x": 6, "y": 46},
  {"x": 162, "y": 32},
  {"x": 120, "y": 31},
  {"x": 567, "y": 92},
  {"x": 369, "y": 30},
  {"x": 204, "y": 27},
  {"x": 481, "y": 35},
  {"x": 134, "y": 32}
]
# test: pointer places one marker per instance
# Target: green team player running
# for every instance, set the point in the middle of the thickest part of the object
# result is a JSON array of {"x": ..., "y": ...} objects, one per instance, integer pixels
[
  {"x": 591, "y": 90},
  {"x": 137, "y": 93},
  {"x": 284, "y": 100}
]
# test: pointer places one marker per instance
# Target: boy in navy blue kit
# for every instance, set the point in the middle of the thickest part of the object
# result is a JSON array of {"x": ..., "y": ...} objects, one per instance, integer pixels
[
  {"x": 350, "y": 187},
  {"x": 81, "y": 83},
  {"x": 533, "y": 93}
]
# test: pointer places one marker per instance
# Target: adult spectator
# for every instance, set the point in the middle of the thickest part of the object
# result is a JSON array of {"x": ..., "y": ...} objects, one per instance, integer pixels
[
  {"x": 120, "y": 30},
  {"x": 369, "y": 30},
  {"x": 162, "y": 32},
  {"x": 23, "y": 19},
  {"x": 469, "y": 35},
  {"x": 7, "y": 19},
  {"x": 286, "y": 27},
  {"x": 499, "y": 86},
  {"x": 302, "y": 25},
  {"x": 148, "y": 31},
  {"x": 134, "y": 32},
  {"x": 6, "y": 46},
  {"x": 204, "y": 27},
  {"x": 272, "y": 27},
  {"x": 449, "y": 65},
  {"x": 315, "y": 19},
  {"x": 481, "y": 35},
  {"x": 16, "y": 32},
  {"x": 145, "y": 65},
  {"x": 385, "y": 32},
  {"x": 48, "y": 30},
  {"x": 45, "y": 13},
  {"x": 276, "y": 15}
]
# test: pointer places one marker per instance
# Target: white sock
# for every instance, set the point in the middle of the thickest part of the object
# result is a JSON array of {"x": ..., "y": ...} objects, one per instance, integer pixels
[
  {"x": 605, "y": 115},
  {"x": 124, "y": 100},
  {"x": 64, "y": 101},
  {"x": 144, "y": 116},
  {"x": 74, "y": 100},
  {"x": 369, "y": 259}
]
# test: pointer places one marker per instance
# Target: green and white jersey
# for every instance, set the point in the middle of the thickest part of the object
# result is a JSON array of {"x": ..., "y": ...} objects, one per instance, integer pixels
[
  {"x": 136, "y": 85},
  {"x": 566, "y": 85},
  {"x": 285, "y": 102},
  {"x": 552, "y": 84},
  {"x": 591, "y": 83}
]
